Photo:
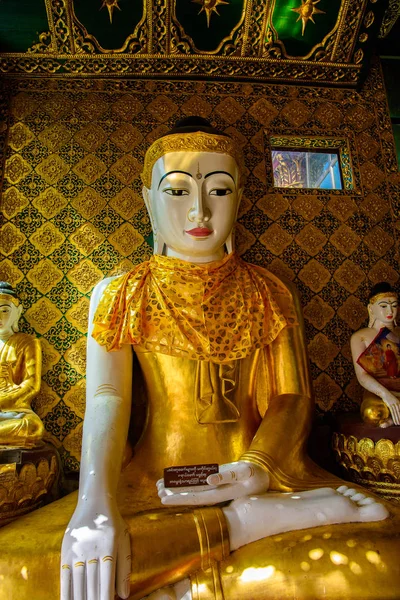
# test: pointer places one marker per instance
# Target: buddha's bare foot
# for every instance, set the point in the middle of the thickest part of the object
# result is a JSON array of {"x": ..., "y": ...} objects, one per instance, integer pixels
[
  {"x": 254, "y": 517},
  {"x": 179, "y": 591}
]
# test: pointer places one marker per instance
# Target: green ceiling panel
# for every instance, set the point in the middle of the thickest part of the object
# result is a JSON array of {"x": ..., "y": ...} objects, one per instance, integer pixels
[
  {"x": 21, "y": 23},
  {"x": 96, "y": 20},
  {"x": 193, "y": 18},
  {"x": 289, "y": 28}
]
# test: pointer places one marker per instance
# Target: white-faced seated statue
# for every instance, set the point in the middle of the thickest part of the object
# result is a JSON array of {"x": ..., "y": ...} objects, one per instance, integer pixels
[{"x": 217, "y": 347}]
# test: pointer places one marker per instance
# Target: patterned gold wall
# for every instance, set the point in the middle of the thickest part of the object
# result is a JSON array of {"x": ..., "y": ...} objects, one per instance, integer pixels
[{"x": 73, "y": 213}]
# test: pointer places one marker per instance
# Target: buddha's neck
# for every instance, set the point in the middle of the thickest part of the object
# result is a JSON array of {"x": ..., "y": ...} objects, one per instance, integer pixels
[
  {"x": 217, "y": 255},
  {"x": 378, "y": 325}
]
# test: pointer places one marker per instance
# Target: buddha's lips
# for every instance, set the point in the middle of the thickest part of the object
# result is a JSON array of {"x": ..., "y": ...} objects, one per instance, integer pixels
[{"x": 199, "y": 232}]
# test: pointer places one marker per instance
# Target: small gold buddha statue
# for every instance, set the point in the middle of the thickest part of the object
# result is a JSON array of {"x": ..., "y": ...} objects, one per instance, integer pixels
[
  {"x": 218, "y": 346},
  {"x": 20, "y": 372},
  {"x": 376, "y": 358}
]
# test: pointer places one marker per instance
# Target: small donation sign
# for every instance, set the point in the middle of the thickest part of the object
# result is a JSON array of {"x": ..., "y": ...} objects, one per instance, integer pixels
[{"x": 188, "y": 475}]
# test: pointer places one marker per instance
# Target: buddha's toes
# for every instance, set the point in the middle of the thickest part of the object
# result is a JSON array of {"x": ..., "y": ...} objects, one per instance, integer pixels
[{"x": 365, "y": 508}]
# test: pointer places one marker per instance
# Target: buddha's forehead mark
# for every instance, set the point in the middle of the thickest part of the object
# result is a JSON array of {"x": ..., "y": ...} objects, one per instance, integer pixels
[
  {"x": 170, "y": 173},
  {"x": 198, "y": 174}
]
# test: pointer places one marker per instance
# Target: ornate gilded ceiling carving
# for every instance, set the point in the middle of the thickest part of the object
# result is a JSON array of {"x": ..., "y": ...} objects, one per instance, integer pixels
[{"x": 300, "y": 41}]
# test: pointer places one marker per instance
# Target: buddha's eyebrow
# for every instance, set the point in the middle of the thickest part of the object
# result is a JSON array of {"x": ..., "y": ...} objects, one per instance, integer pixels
[
  {"x": 169, "y": 173},
  {"x": 216, "y": 173}
]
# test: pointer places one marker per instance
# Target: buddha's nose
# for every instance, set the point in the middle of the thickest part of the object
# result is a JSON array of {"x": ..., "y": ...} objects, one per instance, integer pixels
[{"x": 199, "y": 211}]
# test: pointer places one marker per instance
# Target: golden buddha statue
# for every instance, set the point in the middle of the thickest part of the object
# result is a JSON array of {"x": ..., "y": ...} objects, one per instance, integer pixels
[
  {"x": 376, "y": 358},
  {"x": 219, "y": 349},
  {"x": 20, "y": 371}
]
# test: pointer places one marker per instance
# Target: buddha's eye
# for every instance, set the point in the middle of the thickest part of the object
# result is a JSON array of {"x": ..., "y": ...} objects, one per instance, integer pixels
[
  {"x": 176, "y": 192},
  {"x": 220, "y": 192}
]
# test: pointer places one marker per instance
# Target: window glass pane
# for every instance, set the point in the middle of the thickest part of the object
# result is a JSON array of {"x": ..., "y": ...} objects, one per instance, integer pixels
[{"x": 306, "y": 169}]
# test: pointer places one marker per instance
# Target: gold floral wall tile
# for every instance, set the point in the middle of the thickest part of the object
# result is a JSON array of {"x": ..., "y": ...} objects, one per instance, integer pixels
[
  {"x": 127, "y": 107},
  {"x": 281, "y": 269},
  {"x": 326, "y": 391},
  {"x": 318, "y": 312},
  {"x": 256, "y": 140},
  {"x": 244, "y": 239},
  {"x": 50, "y": 355},
  {"x": 259, "y": 171},
  {"x": 342, "y": 207},
  {"x": 58, "y": 105},
  {"x": 263, "y": 111},
  {"x": 308, "y": 206},
  {"x": 23, "y": 104},
  {"x": 10, "y": 238},
  {"x": 359, "y": 117},
  {"x": 196, "y": 105},
  {"x": 367, "y": 145},
  {"x": 123, "y": 266},
  {"x": 274, "y": 205},
  {"x": 379, "y": 241},
  {"x": 13, "y": 201},
  {"x": 372, "y": 176},
  {"x": 45, "y": 275},
  {"x": 382, "y": 271},
  {"x": 10, "y": 272},
  {"x": 354, "y": 391},
  {"x": 328, "y": 115},
  {"x": 345, "y": 240},
  {"x": 78, "y": 314},
  {"x": 85, "y": 275},
  {"x": 311, "y": 239},
  {"x": 75, "y": 398},
  {"x": 322, "y": 351},
  {"x": 126, "y": 137},
  {"x": 353, "y": 312},
  {"x": 50, "y": 202},
  {"x": 375, "y": 207},
  {"x": 47, "y": 238},
  {"x": 76, "y": 355},
  {"x": 45, "y": 401},
  {"x": 349, "y": 275},
  {"x": 73, "y": 441},
  {"x": 20, "y": 135},
  {"x": 296, "y": 113},
  {"x": 87, "y": 238},
  {"x": 230, "y": 110},
  {"x": 42, "y": 315},
  {"x": 314, "y": 275},
  {"x": 162, "y": 108},
  {"x": 88, "y": 203},
  {"x": 90, "y": 168},
  {"x": 16, "y": 169},
  {"x": 93, "y": 106},
  {"x": 126, "y": 169},
  {"x": 52, "y": 169},
  {"x": 276, "y": 239},
  {"x": 126, "y": 239},
  {"x": 91, "y": 137},
  {"x": 55, "y": 136},
  {"x": 126, "y": 203}
]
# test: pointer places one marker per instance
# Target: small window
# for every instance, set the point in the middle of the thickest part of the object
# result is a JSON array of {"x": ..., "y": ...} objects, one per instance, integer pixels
[
  {"x": 309, "y": 163},
  {"x": 306, "y": 169}
]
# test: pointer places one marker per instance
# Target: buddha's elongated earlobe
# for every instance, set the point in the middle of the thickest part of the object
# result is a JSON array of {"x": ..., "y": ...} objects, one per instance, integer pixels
[
  {"x": 158, "y": 242},
  {"x": 14, "y": 326},
  {"x": 230, "y": 241},
  {"x": 371, "y": 317}
]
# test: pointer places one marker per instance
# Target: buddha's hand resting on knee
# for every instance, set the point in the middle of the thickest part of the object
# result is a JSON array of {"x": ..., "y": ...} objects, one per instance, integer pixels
[
  {"x": 96, "y": 553},
  {"x": 234, "y": 480},
  {"x": 393, "y": 405}
]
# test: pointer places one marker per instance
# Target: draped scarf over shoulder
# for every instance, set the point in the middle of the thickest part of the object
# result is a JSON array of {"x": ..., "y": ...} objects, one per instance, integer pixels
[{"x": 219, "y": 311}]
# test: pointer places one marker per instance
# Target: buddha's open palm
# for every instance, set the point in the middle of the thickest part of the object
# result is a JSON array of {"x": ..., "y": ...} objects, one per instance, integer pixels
[
  {"x": 234, "y": 480},
  {"x": 96, "y": 553}
]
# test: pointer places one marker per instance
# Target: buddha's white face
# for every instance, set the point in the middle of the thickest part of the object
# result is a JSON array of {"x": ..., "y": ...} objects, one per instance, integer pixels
[
  {"x": 384, "y": 312},
  {"x": 193, "y": 203},
  {"x": 9, "y": 315}
]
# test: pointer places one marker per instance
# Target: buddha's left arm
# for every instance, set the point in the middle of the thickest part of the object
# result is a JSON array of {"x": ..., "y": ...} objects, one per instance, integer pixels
[{"x": 21, "y": 394}]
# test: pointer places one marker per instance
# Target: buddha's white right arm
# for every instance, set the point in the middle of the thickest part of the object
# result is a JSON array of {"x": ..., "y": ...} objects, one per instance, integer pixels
[
  {"x": 369, "y": 382},
  {"x": 96, "y": 545}
]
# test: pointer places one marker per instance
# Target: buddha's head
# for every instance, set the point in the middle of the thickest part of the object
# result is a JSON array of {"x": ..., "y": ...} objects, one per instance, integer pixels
[
  {"x": 192, "y": 188},
  {"x": 382, "y": 306},
  {"x": 10, "y": 310}
]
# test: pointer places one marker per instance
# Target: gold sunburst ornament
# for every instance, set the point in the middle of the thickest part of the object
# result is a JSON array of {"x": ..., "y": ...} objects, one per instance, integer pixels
[
  {"x": 209, "y": 6},
  {"x": 111, "y": 6},
  {"x": 306, "y": 12}
]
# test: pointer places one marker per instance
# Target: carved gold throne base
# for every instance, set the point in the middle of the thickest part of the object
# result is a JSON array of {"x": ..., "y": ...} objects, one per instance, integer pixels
[
  {"x": 369, "y": 456},
  {"x": 28, "y": 479}
]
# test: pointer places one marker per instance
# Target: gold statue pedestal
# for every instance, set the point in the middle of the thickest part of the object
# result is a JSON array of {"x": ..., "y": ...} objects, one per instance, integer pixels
[
  {"x": 28, "y": 479},
  {"x": 369, "y": 456}
]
